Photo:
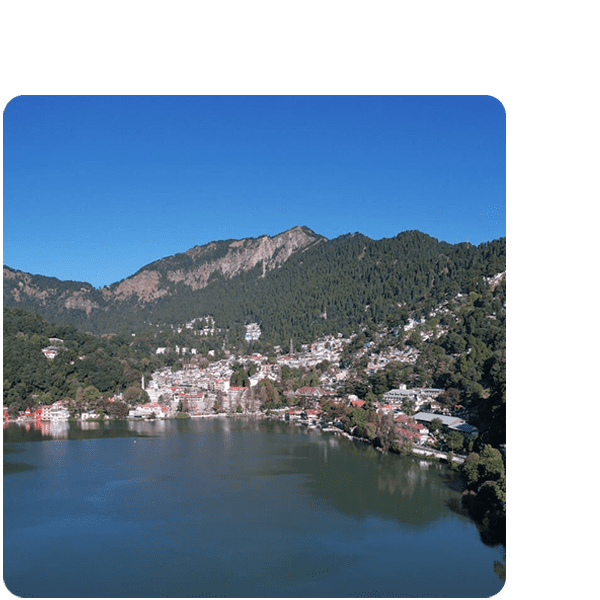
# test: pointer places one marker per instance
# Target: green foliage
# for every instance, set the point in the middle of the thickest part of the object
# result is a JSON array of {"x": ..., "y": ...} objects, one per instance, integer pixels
[
  {"x": 484, "y": 475},
  {"x": 454, "y": 440},
  {"x": 102, "y": 366},
  {"x": 135, "y": 395},
  {"x": 360, "y": 284},
  {"x": 470, "y": 470},
  {"x": 485, "y": 479},
  {"x": 118, "y": 410},
  {"x": 485, "y": 466},
  {"x": 352, "y": 279},
  {"x": 239, "y": 377},
  {"x": 491, "y": 466},
  {"x": 358, "y": 417}
]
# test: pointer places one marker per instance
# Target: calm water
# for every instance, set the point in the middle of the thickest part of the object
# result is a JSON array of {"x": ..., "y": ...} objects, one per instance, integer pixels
[{"x": 231, "y": 507}]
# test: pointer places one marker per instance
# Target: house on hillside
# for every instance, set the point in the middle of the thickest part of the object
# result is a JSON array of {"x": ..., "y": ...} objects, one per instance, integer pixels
[
  {"x": 400, "y": 394},
  {"x": 50, "y": 352},
  {"x": 309, "y": 396},
  {"x": 236, "y": 396}
]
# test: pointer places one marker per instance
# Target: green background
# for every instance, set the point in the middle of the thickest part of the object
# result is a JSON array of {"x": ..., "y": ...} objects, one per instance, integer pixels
[{"x": 536, "y": 58}]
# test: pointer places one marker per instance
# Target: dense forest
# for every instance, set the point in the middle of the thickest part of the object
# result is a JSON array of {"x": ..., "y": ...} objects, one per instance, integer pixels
[
  {"x": 98, "y": 366},
  {"x": 335, "y": 286}
]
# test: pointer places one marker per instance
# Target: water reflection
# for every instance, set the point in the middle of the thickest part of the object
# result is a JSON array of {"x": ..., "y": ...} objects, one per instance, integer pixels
[
  {"x": 359, "y": 480},
  {"x": 500, "y": 569},
  {"x": 40, "y": 431},
  {"x": 285, "y": 512},
  {"x": 56, "y": 430}
]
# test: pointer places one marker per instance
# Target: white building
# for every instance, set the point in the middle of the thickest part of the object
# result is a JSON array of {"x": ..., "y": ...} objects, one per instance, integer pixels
[
  {"x": 147, "y": 410},
  {"x": 252, "y": 332},
  {"x": 54, "y": 412},
  {"x": 91, "y": 415}
]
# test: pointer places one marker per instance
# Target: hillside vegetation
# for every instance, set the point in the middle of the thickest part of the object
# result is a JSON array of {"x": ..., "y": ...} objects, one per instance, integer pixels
[
  {"x": 301, "y": 286},
  {"x": 444, "y": 303}
]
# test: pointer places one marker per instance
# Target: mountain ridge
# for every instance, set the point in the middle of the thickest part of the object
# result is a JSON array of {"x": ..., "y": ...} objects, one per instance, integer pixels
[{"x": 286, "y": 281}]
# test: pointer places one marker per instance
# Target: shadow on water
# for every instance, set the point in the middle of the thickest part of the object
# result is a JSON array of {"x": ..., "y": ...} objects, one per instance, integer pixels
[
  {"x": 491, "y": 532},
  {"x": 360, "y": 481},
  {"x": 10, "y": 467}
]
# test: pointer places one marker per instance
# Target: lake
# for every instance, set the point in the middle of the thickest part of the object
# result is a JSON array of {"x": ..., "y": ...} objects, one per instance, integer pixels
[{"x": 231, "y": 507}]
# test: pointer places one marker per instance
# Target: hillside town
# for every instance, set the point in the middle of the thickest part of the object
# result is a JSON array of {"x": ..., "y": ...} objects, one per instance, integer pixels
[{"x": 204, "y": 388}]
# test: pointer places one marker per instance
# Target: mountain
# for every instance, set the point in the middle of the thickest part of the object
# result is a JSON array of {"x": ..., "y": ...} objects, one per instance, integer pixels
[
  {"x": 297, "y": 283},
  {"x": 197, "y": 266},
  {"x": 80, "y": 303}
]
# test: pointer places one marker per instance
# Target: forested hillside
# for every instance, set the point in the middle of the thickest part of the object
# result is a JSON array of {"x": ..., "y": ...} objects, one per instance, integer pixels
[
  {"x": 459, "y": 345},
  {"x": 318, "y": 287},
  {"x": 84, "y": 365}
]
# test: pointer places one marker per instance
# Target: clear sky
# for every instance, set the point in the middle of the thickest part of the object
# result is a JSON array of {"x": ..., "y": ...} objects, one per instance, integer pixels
[{"x": 96, "y": 187}]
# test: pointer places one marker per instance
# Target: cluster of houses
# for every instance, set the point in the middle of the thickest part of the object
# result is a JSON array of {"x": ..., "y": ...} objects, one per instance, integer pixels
[
  {"x": 59, "y": 412},
  {"x": 52, "y": 412},
  {"x": 417, "y": 427},
  {"x": 198, "y": 390}
]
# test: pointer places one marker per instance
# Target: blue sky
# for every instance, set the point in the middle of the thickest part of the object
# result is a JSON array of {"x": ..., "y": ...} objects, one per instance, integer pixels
[{"x": 97, "y": 187}]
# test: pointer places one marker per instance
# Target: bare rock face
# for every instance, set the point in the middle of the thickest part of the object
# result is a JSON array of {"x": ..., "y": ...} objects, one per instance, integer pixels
[
  {"x": 81, "y": 301},
  {"x": 44, "y": 290},
  {"x": 145, "y": 285},
  {"x": 25, "y": 288},
  {"x": 243, "y": 255},
  {"x": 192, "y": 268}
]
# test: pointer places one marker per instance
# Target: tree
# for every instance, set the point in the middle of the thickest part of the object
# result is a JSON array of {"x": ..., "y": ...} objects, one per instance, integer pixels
[
  {"x": 135, "y": 395},
  {"x": 486, "y": 466},
  {"x": 91, "y": 397},
  {"x": 385, "y": 430},
  {"x": 407, "y": 407},
  {"x": 449, "y": 398},
  {"x": 470, "y": 470},
  {"x": 358, "y": 417},
  {"x": 220, "y": 401},
  {"x": 369, "y": 400},
  {"x": 454, "y": 440},
  {"x": 407, "y": 430},
  {"x": 268, "y": 393},
  {"x": 118, "y": 410},
  {"x": 435, "y": 426},
  {"x": 491, "y": 466}
]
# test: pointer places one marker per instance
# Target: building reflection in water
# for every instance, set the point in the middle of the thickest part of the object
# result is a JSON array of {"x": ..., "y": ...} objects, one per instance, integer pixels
[
  {"x": 54, "y": 429},
  {"x": 88, "y": 425}
]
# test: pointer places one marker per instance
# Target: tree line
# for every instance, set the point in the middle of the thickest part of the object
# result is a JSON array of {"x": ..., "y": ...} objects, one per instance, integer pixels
[{"x": 336, "y": 286}]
